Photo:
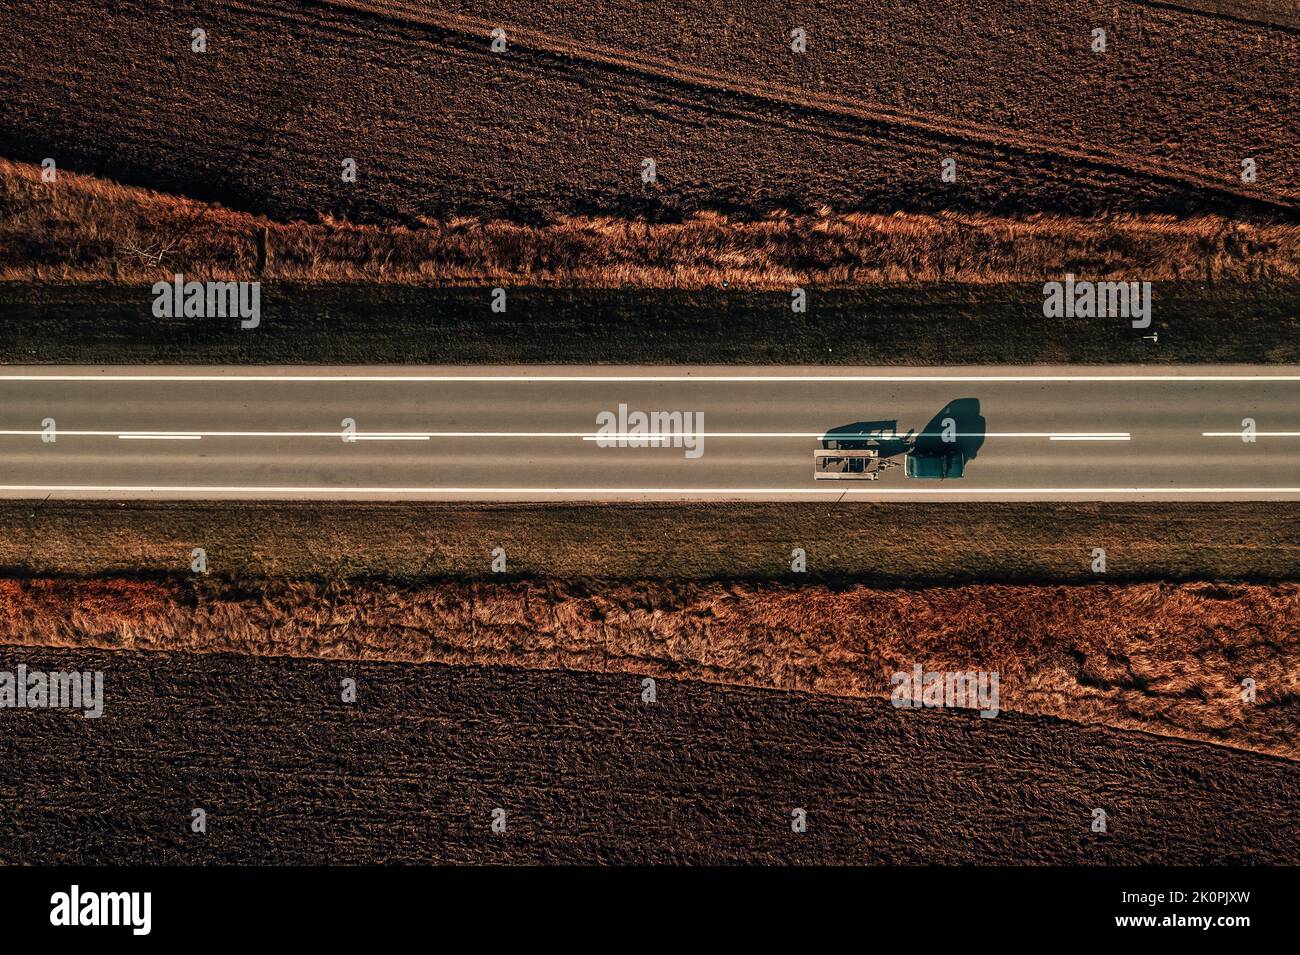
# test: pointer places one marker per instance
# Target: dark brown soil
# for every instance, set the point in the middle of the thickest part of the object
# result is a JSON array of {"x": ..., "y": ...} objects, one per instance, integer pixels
[
  {"x": 561, "y": 121},
  {"x": 588, "y": 773}
]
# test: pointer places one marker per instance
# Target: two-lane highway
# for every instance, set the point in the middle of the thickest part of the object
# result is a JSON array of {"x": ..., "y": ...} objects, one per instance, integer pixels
[{"x": 1048, "y": 433}]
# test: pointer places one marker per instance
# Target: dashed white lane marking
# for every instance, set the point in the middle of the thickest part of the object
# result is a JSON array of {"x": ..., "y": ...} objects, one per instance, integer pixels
[
  {"x": 171, "y": 436},
  {"x": 386, "y": 437},
  {"x": 1090, "y": 437}
]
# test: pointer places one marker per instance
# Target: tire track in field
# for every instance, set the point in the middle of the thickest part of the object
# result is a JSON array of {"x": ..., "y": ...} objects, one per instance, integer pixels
[
  {"x": 1256, "y": 13},
  {"x": 839, "y": 108}
]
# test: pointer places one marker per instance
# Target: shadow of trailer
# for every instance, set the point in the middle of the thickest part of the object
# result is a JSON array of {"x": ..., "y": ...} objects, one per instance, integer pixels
[{"x": 859, "y": 451}]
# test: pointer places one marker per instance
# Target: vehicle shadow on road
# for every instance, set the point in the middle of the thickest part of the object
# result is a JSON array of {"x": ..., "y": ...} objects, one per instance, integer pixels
[
  {"x": 882, "y": 435},
  {"x": 958, "y": 427}
]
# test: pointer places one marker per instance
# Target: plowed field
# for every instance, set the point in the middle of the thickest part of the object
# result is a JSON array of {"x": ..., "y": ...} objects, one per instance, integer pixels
[{"x": 586, "y": 772}]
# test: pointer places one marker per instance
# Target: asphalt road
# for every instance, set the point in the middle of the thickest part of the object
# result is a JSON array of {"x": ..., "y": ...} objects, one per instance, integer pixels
[{"x": 1056, "y": 433}]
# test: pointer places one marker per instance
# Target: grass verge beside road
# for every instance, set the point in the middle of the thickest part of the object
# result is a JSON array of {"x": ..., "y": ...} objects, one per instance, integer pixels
[
  {"x": 889, "y": 544},
  {"x": 878, "y": 325}
]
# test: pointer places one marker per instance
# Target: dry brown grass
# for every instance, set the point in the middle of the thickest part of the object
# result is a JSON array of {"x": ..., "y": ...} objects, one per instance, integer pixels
[
  {"x": 884, "y": 544},
  {"x": 1165, "y": 659},
  {"x": 84, "y": 229}
]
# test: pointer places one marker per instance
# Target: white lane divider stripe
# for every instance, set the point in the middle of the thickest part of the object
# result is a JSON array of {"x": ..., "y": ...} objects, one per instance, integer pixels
[
  {"x": 136, "y": 436},
  {"x": 386, "y": 437},
  {"x": 160, "y": 437},
  {"x": 1090, "y": 437}
]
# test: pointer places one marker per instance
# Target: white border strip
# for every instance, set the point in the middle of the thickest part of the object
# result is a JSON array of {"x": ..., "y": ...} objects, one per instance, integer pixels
[
  {"x": 596, "y": 492},
  {"x": 542, "y": 379}
]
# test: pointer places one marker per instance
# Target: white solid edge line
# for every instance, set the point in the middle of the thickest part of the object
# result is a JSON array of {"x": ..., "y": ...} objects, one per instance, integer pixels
[
  {"x": 1258, "y": 434},
  {"x": 838, "y": 490},
  {"x": 651, "y": 378}
]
